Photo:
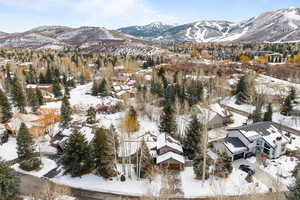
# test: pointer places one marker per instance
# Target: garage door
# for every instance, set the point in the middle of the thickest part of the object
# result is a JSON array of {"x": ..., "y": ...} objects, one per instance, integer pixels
[{"x": 238, "y": 156}]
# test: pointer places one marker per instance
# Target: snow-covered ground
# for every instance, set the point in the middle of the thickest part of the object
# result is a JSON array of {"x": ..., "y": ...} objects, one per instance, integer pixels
[
  {"x": 8, "y": 151},
  {"x": 281, "y": 169},
  {"x": 235, "y": 184},
  {"x": 128, "y": 187},
  {"x": 47, "y": 166}
]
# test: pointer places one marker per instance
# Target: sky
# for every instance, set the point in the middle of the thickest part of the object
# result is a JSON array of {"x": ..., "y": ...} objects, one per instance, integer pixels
[{"x": 22, "y": 15}]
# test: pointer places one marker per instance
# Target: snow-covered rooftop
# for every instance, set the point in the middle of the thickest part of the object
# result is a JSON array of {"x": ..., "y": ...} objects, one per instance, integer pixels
[
  {"x": 170, "y": 155},
  {"x": 165, "y": 140}
]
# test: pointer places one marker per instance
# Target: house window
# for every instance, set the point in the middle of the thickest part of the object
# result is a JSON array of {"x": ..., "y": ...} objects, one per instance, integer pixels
[{"x": 259, "y": 143}]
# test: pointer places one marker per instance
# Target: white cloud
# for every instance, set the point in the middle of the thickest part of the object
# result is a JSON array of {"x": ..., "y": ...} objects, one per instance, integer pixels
[{"x": 108, "y": 13}]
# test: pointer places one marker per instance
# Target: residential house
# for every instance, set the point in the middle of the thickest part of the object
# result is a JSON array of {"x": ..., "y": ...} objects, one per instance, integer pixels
[
  {"x": 255, "y": 139},
  {"x": 37, "y": 125},
  {"x": 169, "y": 152},
  {"x": 213, "y": 115}
]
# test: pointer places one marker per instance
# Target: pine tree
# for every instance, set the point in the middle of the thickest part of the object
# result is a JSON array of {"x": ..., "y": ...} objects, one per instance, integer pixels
[
  {"x": 104, "y": 153},
  {"x": 48, "y": 76},
  {"x": 39, "y": 96},
  {"x": 42, "y": 78},
  {"x": 67, "y": 90},
  {"x": 9, "y": 182},
  {"x": 5, "y": 108},
  {"x": 167, "y": 120},
  {"x": 91, "y": 115},
  {"x": 95, "y": 89},
  {"x": 145, "y": 163},
  {"x": 227, "y": 162},
  {"x": 243, "y": 90},
  {"x": 25, "y": 143},
  {"x": 294, "y": 191},
  {"x": 65, "y": 112},
  {"x": 257, "y": 114},
  {"x": 268, "y": 115},
  {"x": 198, "y": 166},
  {"x": 77, "y": 159},
  {"x": 292, "y": 94},
  {"x": 193, "y": 138},
  {"x": 8, "y": 80},
  {"x": 103, "y": 88},
  {"x": 33, "y": 101},
  {"x": 56, "y": 89},
  {"x": 18, "y": 95},
  {"x": 287, "y": 106},
  {"x": 81, "y": 79}
]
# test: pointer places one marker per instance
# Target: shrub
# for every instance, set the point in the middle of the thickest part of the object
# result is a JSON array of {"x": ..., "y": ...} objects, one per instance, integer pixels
[
  {"x": 31, "y": 164},
  {"x": 123, "y": 178}
]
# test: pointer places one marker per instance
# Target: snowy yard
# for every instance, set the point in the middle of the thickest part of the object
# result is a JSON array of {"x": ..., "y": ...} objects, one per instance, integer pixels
[
  {"x": 8, "y": 151},
  {"x": 47, "y": 166},
  {"x": 281, "y": 169},
  {"x": 235, "y": 184}
]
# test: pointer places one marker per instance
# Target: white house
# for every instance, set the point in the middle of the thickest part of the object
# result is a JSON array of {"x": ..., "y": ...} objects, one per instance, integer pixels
[{"x": 254, "y": 139}]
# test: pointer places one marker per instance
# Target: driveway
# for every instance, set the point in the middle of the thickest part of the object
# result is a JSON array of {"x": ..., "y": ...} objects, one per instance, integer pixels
[{"x": 262, "y": 176}]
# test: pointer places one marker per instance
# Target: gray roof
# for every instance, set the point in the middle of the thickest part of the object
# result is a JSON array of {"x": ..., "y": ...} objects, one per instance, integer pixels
[
  {"x": 259, "y": 127},
  {"x": 235, "y": 145}
]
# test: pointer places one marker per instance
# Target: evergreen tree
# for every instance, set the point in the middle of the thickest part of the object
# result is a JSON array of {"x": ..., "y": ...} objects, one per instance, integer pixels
[
  {"x": 103, "y": 88},
  {"x": 39, "y": 96},
  {"x": 9, "y": 182},
  {"x": 91, "y": 115},
  {"x": 65, "y": 112},
  {"x": 42, "y": 78},
  {"x": 268, "y": 115},
  {"x": 287, "y": 106},
  {"x": 81, "y": 79},
  {"x": 104, "y": 153},
  {"x": 8, "y": 80},
  {"x": 25, "y": 143},
  {"x": 77, "y": 159},
  {"x": 167, "y": 120},
  {"x": 18, "y": 96},
  {"x": 56, "y": 89},
  {"x": 227, "y": 162},
  {"x": 48, "y": 76},
  {"x": 33, "y": 101},
  {"x": 67, "y": 91},
  {"x": 192, "y": 139},
  {"x": 5, "y": 108},
  {"x": 292, "y": 94},
  {"x": 95, "y": 89},
  {"x": 257, "y": 114},
  {"x": 294, "y": 191},
  {"x": 198, "y": 166},
  {"x": 242, "y": 91},
  {"x": 145, "y": 163}
]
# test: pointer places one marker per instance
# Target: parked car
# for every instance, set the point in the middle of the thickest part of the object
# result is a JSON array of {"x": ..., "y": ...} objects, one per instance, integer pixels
[
  {"x": 247, "y": 169},
  {"x": 4, "y": 137}
]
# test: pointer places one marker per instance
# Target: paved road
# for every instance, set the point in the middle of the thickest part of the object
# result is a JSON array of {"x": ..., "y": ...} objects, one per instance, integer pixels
[{"x": 262, "y": 176}]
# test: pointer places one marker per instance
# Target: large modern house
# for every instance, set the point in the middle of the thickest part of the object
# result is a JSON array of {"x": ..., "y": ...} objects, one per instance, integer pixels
[{"x": 254, "y": 139}]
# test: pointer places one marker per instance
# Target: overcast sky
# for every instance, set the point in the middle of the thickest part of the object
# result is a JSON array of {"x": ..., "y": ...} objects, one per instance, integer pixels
[{"x": 21, "y": 15}]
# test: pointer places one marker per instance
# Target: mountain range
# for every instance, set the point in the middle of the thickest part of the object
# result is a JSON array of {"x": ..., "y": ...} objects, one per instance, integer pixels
[{"x": 276, "y": 26}]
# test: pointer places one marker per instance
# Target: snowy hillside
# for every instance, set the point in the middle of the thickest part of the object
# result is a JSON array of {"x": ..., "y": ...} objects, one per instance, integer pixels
[
  {"x": 275, "y": 26},
  {"x": 148, "y": 31}
]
